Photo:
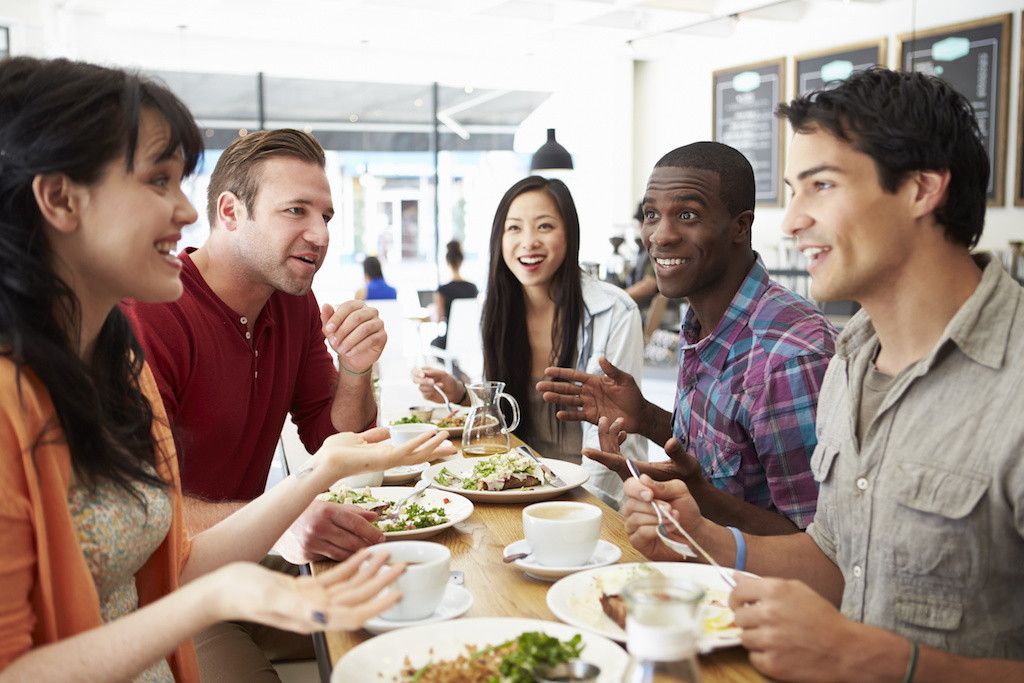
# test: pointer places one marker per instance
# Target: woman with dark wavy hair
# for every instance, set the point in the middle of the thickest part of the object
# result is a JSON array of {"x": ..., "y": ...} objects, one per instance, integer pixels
[
  {"x": 93, "y": 548},
  {"x": 541, "y": 310}
]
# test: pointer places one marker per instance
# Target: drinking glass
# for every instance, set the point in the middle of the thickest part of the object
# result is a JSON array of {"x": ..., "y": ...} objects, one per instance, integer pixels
[{"x": 663, "y": 624}]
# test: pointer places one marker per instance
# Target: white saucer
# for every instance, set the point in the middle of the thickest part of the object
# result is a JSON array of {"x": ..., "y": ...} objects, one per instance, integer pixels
[
  {"x": 456, "y": 602},
  {"x": 606, "y": 553},
  {"x": 404, "y": 473}
]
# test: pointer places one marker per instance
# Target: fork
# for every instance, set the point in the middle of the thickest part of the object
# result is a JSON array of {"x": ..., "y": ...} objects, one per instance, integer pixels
[
  {"x": 681, "y": 548},
  {"x": 421, "y": 485}
]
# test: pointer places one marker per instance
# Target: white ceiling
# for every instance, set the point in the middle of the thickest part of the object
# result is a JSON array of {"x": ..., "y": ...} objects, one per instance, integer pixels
[{"x": 448, "y": 27}]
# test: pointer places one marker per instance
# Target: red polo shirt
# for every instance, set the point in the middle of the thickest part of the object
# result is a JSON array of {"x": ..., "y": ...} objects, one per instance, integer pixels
[{"x": 227, "y": 393}]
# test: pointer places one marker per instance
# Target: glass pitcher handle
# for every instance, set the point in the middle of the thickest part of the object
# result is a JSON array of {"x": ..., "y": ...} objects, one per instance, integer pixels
[{"x": 515, "y": 412}]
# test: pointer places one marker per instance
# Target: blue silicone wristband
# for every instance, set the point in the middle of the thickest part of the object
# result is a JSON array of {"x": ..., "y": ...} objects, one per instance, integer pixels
[{"x": 741, "y": 548}]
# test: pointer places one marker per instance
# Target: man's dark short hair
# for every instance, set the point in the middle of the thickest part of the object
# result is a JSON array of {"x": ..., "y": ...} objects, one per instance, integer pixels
[
  {"x": 907, "y": 122},
  {"x": 735, "y": 175}
]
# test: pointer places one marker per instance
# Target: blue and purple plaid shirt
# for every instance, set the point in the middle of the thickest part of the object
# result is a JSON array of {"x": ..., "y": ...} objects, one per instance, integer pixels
[{"x": 747, "y": 396}]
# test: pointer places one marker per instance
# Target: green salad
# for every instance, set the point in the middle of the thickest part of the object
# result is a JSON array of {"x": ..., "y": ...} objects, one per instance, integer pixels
[
  {"x": 411, "y": 516},
  {"x": 410, "y": 419},
  {"x": 513, "y": 661}
]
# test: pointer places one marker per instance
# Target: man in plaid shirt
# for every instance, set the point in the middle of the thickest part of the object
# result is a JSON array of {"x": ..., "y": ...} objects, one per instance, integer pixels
[{"x": 752, "y": 356}]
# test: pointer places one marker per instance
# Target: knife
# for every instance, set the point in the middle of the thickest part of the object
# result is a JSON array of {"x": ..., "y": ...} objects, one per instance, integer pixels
[{"x": 553, "y": 478}]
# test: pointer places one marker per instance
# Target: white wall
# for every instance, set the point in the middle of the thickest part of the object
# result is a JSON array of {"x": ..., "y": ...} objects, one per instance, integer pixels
[{"x": 673, "y": 103}]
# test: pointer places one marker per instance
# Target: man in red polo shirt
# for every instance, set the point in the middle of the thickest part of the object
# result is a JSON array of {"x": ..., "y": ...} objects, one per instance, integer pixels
[{"x": 244, "y": 347}]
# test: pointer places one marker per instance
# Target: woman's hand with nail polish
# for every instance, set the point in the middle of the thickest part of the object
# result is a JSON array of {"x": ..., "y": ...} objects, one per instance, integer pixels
[{"x": 340, "y": 599}]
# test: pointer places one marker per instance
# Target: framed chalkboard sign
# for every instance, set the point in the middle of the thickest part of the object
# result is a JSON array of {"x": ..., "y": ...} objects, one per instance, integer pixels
[
  {"x": 821, "y": 70},
  {"x": 744, "y": 99},
  {"x": 974, "y": 58}
]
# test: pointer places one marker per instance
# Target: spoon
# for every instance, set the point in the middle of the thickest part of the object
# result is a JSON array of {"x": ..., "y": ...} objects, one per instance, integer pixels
[
  {"x": 416, "y": 490},
  {"x": 514, "y": 556},
  {"x": 682, "y": 548}
]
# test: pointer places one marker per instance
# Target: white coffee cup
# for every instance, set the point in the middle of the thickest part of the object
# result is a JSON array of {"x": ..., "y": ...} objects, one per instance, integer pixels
[
  {"x": 562, "y": 533},
  {"x": 401, "y": 433},
  {"x": 424, "y": 580}
]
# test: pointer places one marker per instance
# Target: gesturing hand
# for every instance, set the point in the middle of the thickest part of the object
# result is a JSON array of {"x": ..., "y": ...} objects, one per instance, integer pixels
[
  {"x": 355, "y": 332},
  {"x": 340, "y": 599},
  {"x": 614, "y": 395}
]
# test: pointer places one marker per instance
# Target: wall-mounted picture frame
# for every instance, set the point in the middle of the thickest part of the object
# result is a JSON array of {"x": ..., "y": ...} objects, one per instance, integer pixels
[
  {"x": 744, "y": 101},
  {"x": 826, "y": 68},
  {"x": 974, "y": 57}
]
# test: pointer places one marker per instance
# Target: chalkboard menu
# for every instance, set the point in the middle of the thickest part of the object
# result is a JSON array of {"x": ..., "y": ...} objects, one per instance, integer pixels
[
  {"x": 744, "y": 118},
  {"x": 974, "y": 58},
  {"x": 822, "y": 70}
]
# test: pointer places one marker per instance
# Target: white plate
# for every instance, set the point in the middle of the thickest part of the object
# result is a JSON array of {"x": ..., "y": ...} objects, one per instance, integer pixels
[
  {"x": 383, "y": 658},
  {"x": 605, "y": 554},
  {"x": 572, "y": 475},
  {"x": 456, "y": 602},
  {"x": 458, "y": 508},
  {"x": 441, "y": 413},
  {"x": 576, "y": 599},
  {"x": 404, "y": 473},
  {"x": 455, "y": 432}
]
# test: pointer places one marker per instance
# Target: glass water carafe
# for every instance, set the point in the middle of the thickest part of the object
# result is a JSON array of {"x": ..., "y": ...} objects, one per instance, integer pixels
[
  {"x": 486, "y": 432},
  {"x": 663, "y": 623}
]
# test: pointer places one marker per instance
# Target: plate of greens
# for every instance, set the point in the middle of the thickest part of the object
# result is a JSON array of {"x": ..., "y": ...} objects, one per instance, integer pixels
[
  {"x": 441, "y": 653},
  {"x": 423, "y": 516}
]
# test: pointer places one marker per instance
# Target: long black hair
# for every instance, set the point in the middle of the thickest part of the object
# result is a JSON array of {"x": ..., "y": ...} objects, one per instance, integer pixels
[
  {"x": 507, "y": 355},
  {"x": 59, "y": 116}
]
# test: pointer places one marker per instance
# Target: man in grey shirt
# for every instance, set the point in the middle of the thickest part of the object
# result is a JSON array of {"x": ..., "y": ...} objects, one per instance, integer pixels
[{"x": 919, "y": 534}]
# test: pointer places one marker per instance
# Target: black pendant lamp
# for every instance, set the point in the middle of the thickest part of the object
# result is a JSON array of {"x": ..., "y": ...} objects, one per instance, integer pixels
[{"x": 551, "y": 155}]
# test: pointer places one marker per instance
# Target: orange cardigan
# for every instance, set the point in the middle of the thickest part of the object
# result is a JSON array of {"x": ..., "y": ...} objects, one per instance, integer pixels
[{"x": 47, "y": 592}]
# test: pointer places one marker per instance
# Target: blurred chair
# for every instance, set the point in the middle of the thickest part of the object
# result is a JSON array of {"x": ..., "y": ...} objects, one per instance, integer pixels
[
  {"x": 465, "y": 348},
  {"x": 403, "y": 345}
]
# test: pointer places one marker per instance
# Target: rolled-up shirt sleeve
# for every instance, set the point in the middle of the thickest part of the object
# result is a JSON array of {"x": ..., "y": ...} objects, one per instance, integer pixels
[{"x": 783, "y": 429}]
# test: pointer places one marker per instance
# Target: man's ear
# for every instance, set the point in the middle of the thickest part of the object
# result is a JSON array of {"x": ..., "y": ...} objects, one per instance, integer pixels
[
  {"x": 230, "y": 210},
  {"x": 60, "y": 200},
  {"x": 929, "y": 191},
  {"x": 741, "y": 225}
]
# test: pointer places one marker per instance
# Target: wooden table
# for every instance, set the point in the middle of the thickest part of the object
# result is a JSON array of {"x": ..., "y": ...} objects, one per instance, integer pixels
[{"x": 504, "y": 590}]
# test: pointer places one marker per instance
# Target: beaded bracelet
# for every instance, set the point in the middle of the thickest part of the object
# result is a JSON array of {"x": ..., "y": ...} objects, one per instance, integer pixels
[{"x": 741, "y": 548}]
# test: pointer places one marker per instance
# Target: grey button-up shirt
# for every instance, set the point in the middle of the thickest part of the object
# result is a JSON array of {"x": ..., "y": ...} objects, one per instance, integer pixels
[{"x": 925, "y": 514}]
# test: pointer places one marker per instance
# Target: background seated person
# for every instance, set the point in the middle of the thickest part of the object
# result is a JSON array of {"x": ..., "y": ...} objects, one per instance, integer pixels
[
  {"x": 456, "y": 289},
  {"x": 375, "y": 287}
]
